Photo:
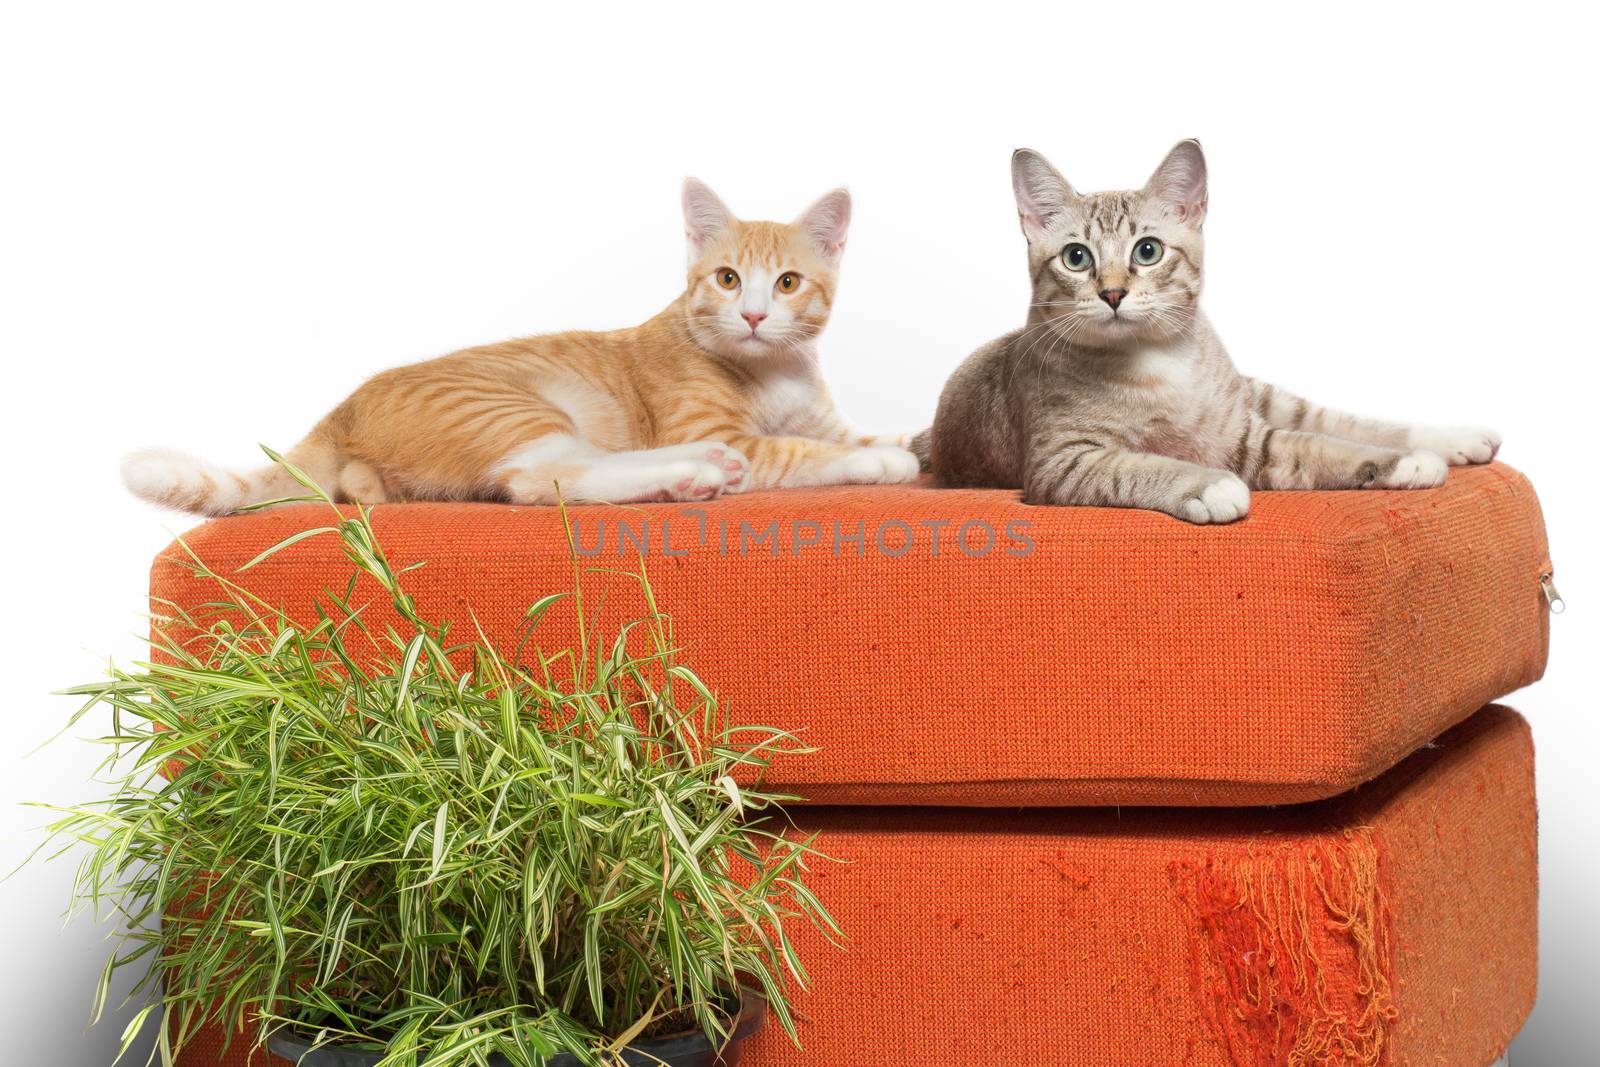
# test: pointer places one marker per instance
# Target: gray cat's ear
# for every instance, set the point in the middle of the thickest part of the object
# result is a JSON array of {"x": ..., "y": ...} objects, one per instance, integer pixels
[
  {"x": 704, "y": 214},
  {"x": 1042, "y": 193},
  {"x": 827, "y": 222},
  {"x": 1180, "y": 183}
]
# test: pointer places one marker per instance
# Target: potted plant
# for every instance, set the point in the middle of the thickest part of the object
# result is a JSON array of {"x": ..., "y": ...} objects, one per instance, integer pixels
[{"x": 397, "y": 848}]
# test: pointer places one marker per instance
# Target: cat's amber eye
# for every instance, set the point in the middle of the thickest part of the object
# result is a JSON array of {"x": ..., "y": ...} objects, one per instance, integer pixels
[
  {"x": 728, "y": 278},
  {"x": 1076, "y": 257},
  {"x": 1147, "y": 252},
  {"x": 788, "y": 283}
]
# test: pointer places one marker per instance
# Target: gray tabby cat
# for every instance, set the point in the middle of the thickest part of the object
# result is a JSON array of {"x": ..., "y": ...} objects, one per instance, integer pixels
[{"x": 1117, "y": 392}]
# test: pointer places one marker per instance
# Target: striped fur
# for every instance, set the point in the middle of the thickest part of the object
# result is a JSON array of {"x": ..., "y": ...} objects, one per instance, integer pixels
[
  {"x": 718, "y": 393},
  {"x": 1118, "y": 393}
]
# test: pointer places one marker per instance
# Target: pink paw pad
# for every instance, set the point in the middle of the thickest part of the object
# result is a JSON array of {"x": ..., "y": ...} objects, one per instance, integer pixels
[
  {"x": 732, "y": 465},
  {"x": 683, "y": 486},
  {"x": 716, "y": 453}
]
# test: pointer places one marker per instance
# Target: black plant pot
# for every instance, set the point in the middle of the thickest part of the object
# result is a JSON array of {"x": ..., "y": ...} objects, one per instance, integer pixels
[{"x": 675, "y": 1050}]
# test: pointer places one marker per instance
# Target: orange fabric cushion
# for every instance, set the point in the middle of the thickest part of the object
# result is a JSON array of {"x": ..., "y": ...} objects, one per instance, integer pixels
[
  {"x": 1392, "y": 926},
  {"x": 1087, "y": 656}
]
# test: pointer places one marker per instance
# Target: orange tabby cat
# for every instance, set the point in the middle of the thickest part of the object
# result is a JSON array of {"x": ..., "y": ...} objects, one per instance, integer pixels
[{"x": 718, "y": 393}]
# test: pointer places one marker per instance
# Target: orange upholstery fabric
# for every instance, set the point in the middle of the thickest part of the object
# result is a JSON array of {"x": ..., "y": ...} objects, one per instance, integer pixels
[
  {"x": 1088, "y": 657},
  {"x": 1394, "y": 927}
]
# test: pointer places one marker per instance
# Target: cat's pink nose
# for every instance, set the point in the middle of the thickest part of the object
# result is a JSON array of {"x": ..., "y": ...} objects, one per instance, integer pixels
[
  {"x": 753, "y": 318},
  {"x": 1113, "y": 296}
]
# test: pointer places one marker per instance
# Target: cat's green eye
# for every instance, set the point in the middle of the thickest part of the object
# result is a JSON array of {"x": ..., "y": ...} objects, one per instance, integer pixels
[
  {"x": 1148, "y": 251},
  {"x": 728, "y": 278},
  {"x": 1077, "y": 257}
]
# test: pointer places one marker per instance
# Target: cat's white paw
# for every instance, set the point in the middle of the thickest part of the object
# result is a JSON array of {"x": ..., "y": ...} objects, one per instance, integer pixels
[
  {"x": 667, "y": 463},
  {"x": 1415, "y": 470},
  {"x": 692, "y": 479},
  {"x": 1224, "y": 499},
  {"x": 735, "y": 466},
  {"x": 878, "y": 465},
  {"x": 1458, "y": 445}
]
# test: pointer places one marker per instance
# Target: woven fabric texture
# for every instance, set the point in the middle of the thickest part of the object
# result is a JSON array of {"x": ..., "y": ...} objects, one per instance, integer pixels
[
  {"x": 1034, "y": 656},
  {"x": 1394, "y": 927},
  {"x": 1243, "y": 938}
]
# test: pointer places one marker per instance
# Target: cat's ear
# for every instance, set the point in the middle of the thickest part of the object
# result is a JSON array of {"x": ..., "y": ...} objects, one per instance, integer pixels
[
  {"x": 704, "y": 215},
  {"x": 1042, "y": 193},
  {"x": 827, "y": 222},
  {"x": 1180, "y": 183}
]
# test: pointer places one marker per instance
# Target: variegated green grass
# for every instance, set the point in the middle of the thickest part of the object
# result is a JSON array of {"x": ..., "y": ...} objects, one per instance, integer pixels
[{"x": 443, "y": 851}]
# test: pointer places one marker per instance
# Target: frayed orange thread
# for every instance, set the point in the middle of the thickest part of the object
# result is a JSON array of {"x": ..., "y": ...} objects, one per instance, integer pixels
[{"x": 1291, "y": 958}]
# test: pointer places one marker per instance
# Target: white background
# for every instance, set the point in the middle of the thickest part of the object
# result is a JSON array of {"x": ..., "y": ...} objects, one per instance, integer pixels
[{"x": 217, "y": 221}]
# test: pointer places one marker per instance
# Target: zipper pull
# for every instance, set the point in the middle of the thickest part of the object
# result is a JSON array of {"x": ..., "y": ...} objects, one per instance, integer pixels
[{"x": 1552, "y": 595}]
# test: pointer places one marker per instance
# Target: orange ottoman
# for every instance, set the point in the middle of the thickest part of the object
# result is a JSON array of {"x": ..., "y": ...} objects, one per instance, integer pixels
[
  {"x": 956, "y": 649},
  {"x": 1394, "y": 925}
]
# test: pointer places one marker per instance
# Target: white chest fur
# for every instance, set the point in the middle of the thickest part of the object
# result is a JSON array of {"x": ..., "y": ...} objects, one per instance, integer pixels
[
  {"x": 1159, "y": 394},
  {"x": 1162, "y": 370},
  {"x": 787, "y": 401}
]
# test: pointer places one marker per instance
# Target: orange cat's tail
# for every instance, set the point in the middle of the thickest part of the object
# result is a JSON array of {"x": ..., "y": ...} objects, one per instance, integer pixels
[{"x": 176, "y": 480}]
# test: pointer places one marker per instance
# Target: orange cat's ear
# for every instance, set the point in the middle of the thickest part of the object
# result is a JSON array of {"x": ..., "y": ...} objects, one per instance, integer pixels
[
  {"x": 704, "y": 215},
  {"x": 827, "y": 222}
]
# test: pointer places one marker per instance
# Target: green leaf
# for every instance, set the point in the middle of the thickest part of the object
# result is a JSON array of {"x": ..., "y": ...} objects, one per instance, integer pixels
[
  {"x": 542, "y": 605},
  {"x": 408, "y": 668},
  {"x": 293, "y": 539},
  {"x": 131, "y": 1031},
  {"x": 601, "y": 801},
  {"x": 439, "y": 821},
  {"x": 102, "y": 989}
]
